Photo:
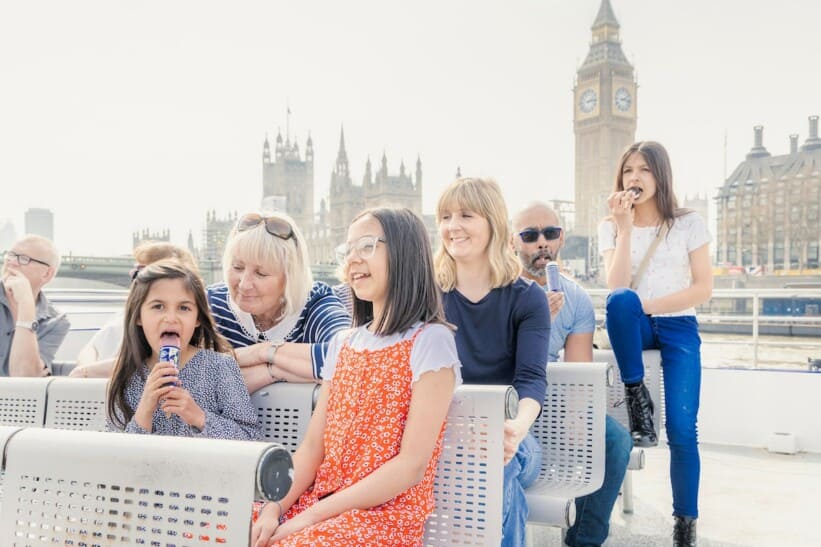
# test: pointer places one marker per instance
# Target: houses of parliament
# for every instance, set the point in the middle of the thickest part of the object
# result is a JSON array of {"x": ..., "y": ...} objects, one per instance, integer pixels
[{"x": 767, "y": 210}]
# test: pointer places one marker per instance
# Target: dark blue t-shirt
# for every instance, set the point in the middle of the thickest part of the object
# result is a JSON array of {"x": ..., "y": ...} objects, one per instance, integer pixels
[{"x": 503, "y": 338}]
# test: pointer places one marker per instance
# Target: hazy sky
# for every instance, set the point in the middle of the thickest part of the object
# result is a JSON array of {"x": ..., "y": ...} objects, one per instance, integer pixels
[{"x": 124, "y": 115}]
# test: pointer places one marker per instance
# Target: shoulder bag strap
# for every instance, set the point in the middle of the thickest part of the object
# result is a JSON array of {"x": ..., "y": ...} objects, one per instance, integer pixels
[{"x": 634, "y": 283}]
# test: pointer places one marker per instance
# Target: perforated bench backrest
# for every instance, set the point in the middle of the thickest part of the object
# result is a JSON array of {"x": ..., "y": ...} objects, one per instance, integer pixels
[
  {"x": 76, "y": 404},
  {"x": 6, "y": 431},
  {"x": 23, "y": 401},
  {"x": 468, "y": 484},
  {"x": 616, "y": 406},
  {"x": 571, "y": 430},
  {"x": 284, "y": 411},
  {"x": 92, "y": 488}
]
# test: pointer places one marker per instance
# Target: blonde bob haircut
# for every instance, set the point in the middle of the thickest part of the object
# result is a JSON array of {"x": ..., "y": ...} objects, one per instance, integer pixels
[
  {"x": 289, "y": 256},
  {"x": 483, "y": 197}
]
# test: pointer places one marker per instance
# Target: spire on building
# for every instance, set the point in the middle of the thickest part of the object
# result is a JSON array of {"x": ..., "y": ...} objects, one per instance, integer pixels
[
  {"x": 606, "y": 45},
  {"x": 605, "y": 16},
  {"x": 279, "y": 148},
  {"x": 418, "y": 170},
  {"x": 266, "y": 150},
  {"x": 402, "y": 168},
  {"x": 309, "y": 149},
  {"x": 342, "y": 156},
  {"x": 458, "y": 172},
  {"x": 384, "y": 167},
  {"x": 368, "y": 177}
]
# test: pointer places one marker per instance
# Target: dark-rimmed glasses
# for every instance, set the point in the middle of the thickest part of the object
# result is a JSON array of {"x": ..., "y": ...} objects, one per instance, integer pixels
[
  {"x": 24, "y": 260},
  {"x": 275, "y": 226},
  {"x": 549, "y": 232},
  {"x": 364, "y": 248}
]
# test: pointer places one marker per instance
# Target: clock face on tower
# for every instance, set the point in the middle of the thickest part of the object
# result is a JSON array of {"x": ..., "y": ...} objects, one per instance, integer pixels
[
  {"x": 587, "y": 101},
  {"x": 623, "y": 99}
]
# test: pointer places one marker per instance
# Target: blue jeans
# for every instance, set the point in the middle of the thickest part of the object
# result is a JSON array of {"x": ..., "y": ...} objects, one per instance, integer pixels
[
  {"x": 520, "y": 473},
  {"x": 593, "y": 511},
  {"x": 631, "y": 331}
]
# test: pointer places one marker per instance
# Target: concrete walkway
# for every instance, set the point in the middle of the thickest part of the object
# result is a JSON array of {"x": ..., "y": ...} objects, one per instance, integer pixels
[{"x": 748, "y": 497}]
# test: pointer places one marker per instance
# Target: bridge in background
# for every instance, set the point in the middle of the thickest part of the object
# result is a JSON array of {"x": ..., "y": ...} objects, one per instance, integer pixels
[{"x": 116, "y": 269}]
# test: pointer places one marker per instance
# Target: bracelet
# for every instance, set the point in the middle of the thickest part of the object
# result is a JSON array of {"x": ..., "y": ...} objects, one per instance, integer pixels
[
  {"x": 281, "y": 514},
  {"x": 271, "y": 372}
]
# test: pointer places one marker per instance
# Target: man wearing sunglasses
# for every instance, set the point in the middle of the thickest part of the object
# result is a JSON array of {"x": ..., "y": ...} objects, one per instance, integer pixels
[
  {"x": 538, "y": 239},
  {"x": 31, "y": 329}
]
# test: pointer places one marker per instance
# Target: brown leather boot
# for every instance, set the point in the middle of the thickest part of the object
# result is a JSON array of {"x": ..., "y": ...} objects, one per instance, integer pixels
[{"x": 684, "y": 532}]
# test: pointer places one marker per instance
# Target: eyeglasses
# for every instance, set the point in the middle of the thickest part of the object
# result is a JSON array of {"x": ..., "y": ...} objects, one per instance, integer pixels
[
  {"x": 549, "y": 232},
  {"x": 364, "y": 248},
  {"x": 23, "y": 260},
  {"x": 273, "y": 225}
]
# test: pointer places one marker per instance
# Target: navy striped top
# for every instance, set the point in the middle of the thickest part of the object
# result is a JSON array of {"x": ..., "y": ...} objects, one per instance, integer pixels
[{"x": 322, "y": 316}]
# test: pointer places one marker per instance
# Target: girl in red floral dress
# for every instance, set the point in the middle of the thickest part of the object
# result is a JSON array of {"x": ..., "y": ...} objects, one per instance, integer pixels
[{"x": 363, "y": 475}]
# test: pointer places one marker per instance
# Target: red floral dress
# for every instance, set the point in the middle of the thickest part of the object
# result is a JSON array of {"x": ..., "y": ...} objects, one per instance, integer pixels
[{"x": 367, "y": 409}]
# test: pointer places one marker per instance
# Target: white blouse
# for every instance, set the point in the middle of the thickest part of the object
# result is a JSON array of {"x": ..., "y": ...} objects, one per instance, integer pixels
[{"x": 669, "y": 268}]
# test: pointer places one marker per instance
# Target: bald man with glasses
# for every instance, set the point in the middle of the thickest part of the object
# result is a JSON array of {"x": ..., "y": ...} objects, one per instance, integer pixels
[{"x": 31, "y": 329}]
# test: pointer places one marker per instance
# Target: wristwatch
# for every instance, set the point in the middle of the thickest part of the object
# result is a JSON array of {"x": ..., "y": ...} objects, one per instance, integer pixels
[{"x": 28, "y": 326}]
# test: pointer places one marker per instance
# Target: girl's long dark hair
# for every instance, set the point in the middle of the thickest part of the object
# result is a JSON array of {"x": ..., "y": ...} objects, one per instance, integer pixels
[
  {"x": 659, "y": 162},
  {"x": 413, "y": 294},
  {"x": 135, "y": 349}
]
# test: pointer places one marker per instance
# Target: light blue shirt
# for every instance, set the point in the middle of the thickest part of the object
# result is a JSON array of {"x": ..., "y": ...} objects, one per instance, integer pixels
[{"x": 577, "y": 316}]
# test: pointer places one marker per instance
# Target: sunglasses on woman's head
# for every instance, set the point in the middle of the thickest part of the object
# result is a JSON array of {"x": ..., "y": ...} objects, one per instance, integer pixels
[
  {"x": 532, "y": 234},
  {"x": 273, "y": 225}
]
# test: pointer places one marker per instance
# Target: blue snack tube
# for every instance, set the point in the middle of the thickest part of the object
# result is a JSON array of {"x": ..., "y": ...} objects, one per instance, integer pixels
[
  {"x": 553, "y": 282},
  {"x": 170, "y": 354}
]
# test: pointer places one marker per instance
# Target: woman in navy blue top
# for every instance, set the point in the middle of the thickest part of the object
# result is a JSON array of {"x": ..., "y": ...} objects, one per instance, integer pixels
[{"x": 503, "y": 325}]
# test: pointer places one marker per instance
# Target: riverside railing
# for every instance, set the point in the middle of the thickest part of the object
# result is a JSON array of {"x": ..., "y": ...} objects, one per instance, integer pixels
[{"x": 754, "y": 312}]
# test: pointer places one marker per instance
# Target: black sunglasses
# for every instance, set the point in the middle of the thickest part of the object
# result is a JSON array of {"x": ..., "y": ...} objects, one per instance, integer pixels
[
  {"x": 549, "y": 232},
  {"x": 275, "y": 226}
]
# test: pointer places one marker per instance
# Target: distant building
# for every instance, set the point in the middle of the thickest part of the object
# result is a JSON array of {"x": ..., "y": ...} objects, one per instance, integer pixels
[
  {"x": 604, "y": 121},
  {"x": 147, "y": 235},
  {"x": 8, "y": 235},
  {"x": 699, "y": 204},
  {"x": 214, "y": 236},
  {"x": 768, "y": 208},
  {"x": 290, "y": 178},
  {"x": 288, "y": 185},
  {"x": 40, "y": 222}
]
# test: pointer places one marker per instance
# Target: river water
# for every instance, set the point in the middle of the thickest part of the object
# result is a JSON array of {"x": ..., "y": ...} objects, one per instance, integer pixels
[{"x": 774, "y": 352}]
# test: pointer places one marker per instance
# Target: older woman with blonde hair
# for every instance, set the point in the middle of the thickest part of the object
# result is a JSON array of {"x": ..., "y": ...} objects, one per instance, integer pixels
[
  {"x": 503, "y": 325},
  {"x": 269, "y": 308}
]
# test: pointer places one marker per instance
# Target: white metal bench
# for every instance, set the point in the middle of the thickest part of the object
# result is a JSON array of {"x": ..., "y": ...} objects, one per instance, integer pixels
[
  {"x": 6, "y": 431},
  {"x": 617, "y": 408},
  {"x": 23, "y": 401},
  {"x": 468, "y": 484},
  {"x": 94, "y": 488},
  {"x": 284, "y": 410},
  {"x": 75, "y": 403},
  {"x": 571, "y": 432}
]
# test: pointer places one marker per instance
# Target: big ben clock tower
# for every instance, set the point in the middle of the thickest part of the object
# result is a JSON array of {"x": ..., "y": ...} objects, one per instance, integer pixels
[{"x": 604, "y": 120}]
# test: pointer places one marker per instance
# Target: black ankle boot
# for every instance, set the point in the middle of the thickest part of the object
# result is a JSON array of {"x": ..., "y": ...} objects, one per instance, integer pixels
[
  {"x": 640, "y": 412},
  {"x": 684, "y": 532}
]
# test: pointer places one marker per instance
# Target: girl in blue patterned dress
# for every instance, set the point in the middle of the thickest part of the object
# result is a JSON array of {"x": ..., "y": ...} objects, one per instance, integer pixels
[{"x": 206, "y": 396}]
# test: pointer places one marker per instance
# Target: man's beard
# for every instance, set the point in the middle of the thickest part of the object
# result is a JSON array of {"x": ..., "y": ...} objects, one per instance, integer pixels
[{"x": 530, "y": 265}]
